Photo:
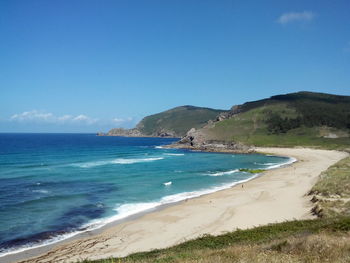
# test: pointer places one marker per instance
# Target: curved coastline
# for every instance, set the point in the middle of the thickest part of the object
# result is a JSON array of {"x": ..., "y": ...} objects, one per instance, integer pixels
[
  {"x": 202, "y": 214},
  {"x": 130, "y": 211}
]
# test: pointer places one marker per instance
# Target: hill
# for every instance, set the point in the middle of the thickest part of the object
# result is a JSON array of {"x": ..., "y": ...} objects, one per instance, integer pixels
[
  {"x": 171, "y": 123},
  {"x": 302, "y": 118}
]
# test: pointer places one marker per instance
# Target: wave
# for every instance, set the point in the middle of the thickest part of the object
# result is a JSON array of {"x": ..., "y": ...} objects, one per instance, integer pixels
[
  {"x": 167, "y": 183},
  {"x": 277, "y": 165},
  {"x": 53, "y": 240},
  {"x": 126, "y": 210},
  {"x": 223, "y": 173},
  {"x": 174, "y": 154},
  {"x": 267, "y": 164},
  {"x": 131, "y": 161},
  {"x": 159, "y": 147},
  {"x": 123, "y": 211},
  {"x": 116, "y": 161}
]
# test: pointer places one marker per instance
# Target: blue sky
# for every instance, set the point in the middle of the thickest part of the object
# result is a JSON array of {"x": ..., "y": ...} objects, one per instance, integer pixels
[{"x": 72, "y": 66}]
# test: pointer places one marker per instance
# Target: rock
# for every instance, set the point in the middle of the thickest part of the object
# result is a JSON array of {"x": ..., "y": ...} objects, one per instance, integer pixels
[{"x": 125, "y": 132}]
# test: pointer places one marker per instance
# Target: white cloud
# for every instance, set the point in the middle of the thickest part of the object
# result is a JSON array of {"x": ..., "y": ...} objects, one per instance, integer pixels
[
  {"x": 296, "y": 17},
  {"x": 121, "y": 120},
  {"x": 84, "y": 119},
  {"x": 44, "y": 117},
  {"x": 118, "y": 120},
  {"x": 65, "y": 118},
  {"x": 70, "y": 120},
  {"x": 33, "y": 115},
  {"x": 81, "y": 118}
]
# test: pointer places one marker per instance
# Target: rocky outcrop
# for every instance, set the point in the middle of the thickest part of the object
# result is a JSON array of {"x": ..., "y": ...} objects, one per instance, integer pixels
[
  {"x": 124, "y": 132},
  {"x": 197, "y": 140},
  {"x": 135, "y": 132},
  {"x": 228, "y": 114}
]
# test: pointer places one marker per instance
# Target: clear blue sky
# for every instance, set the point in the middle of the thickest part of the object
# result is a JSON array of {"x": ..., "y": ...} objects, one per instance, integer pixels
[{"x": 70, "y": 66}]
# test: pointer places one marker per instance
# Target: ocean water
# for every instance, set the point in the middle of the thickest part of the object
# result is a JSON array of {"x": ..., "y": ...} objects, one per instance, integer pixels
[{"x": 53, "y": 186}]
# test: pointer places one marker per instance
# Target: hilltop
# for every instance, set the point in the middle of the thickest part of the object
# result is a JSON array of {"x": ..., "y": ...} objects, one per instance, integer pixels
[
  {"x": 295, "y": 119},
  {"x": 170, "y": 123}
]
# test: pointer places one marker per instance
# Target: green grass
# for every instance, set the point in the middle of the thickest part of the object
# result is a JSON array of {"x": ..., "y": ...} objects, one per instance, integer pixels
[
  {"x": 250, "y": 128},
  {"x": 273, "y": 237},
  {"x": 179, "y": 120}
]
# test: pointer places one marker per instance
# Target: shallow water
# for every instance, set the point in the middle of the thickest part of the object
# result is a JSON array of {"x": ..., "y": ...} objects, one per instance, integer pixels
[{"x": 55, "y": 185}]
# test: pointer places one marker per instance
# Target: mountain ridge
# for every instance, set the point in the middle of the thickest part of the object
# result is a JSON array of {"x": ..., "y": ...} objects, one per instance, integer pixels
[{"x": 174, "y": 122}]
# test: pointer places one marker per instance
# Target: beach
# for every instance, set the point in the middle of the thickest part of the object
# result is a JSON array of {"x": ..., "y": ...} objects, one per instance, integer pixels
[{"x": 278, "y": 195}]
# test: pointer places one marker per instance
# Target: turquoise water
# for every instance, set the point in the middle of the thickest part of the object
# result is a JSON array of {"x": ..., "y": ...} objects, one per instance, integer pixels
[{"x": 53, "y": 186}]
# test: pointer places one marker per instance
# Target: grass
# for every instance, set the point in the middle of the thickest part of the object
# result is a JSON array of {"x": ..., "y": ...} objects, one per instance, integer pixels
[
  {"x": 178, "y": 120},
  {"x": 294, "y": 241},
  {"x": 250, "y": 128},
  {"x": 326, "y": 239},
  {"x": 331, "y": 193}
]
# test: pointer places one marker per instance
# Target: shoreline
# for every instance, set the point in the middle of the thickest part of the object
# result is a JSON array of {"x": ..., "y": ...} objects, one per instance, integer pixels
[
  {"x": 85, "y": 231},
  {"x": 36, "y": 250},
  {"x": 200, "y": 215}
]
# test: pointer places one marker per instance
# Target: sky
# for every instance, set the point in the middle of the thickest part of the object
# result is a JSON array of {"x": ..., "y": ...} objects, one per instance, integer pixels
[{"x": 88, "y": 66}]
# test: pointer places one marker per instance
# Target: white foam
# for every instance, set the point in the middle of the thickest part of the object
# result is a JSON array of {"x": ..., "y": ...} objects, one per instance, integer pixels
[
  {"x": 131, "y": 161},
  {"x": 168, "y": 183},
  {"x": 117, "y": 161},
  {"x": 29, "y": 246},
  {"x": 265, "y": 163},
  {"x": 158, "y": 147},
  {"x": 127, "y": 210},
  {"x": 223, "y": 173},
  {"x": 124, "y": 211},
  {"x": 174, "y": 154},
  {"x": 274, "y": 166}
]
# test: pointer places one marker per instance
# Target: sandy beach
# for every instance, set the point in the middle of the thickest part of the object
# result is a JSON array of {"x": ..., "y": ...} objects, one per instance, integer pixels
[{"x": 278, "y": 195}]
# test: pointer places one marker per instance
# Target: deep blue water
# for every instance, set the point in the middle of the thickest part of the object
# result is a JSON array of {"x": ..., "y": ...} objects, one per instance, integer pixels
[{"x": 53, "y": 185}]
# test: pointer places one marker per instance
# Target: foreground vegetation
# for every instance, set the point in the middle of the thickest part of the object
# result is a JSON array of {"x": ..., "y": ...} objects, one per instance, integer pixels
[
  {"x": 326, "y": 239},
  {"x": 321, "y": 240}
]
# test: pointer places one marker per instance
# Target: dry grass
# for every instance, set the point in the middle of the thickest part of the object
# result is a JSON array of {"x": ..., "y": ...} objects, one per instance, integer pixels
[
  {"x": 309, "y": 248},
  {"x": 332, "y": 191}
]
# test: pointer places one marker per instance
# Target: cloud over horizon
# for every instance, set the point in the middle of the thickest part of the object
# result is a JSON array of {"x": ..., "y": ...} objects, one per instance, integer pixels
[
  {"x": 42, "y": 117},
  {"x": 290, "y": 17}
]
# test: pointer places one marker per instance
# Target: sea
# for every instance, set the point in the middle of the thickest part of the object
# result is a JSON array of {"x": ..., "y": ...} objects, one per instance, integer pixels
[{"x": 54, "y": 186}]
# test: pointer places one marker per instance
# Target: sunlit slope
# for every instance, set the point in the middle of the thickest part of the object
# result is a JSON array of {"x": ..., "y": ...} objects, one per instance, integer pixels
[
  {"x": 304, "y": 118},
  {"x": 177, "y": 121}
]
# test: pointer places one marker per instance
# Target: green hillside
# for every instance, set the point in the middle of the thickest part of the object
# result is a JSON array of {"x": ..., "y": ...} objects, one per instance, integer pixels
[
  {"x": 303, "y": 118},
  {"x": 176, "y": 121}
]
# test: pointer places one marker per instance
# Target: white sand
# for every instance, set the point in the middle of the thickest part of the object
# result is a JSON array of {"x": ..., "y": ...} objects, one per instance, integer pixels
[{"x": 276, "y": 196}]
